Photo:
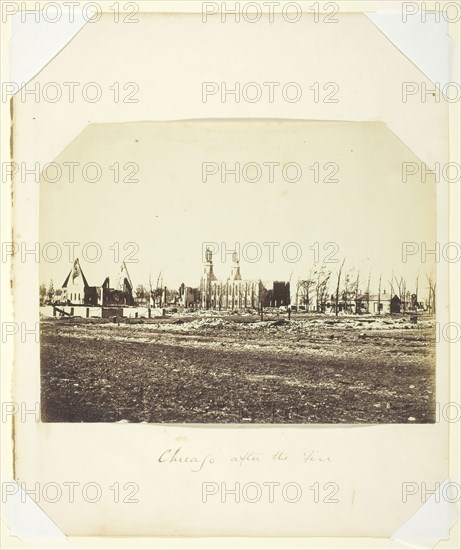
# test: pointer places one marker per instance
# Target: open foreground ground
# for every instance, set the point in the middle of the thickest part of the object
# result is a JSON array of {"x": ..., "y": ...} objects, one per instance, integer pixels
[{"x": 312, "y": 369}]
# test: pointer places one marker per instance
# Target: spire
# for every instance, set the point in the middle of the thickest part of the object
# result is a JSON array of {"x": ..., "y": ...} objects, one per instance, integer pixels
[
  {"x": 235, "y": 274},
  {"x": 208, "y": 271}
]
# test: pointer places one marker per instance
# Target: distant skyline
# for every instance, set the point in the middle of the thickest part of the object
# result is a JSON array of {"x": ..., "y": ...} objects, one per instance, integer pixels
[
  {"x": 171, "y": 212},
  {"x": 95, "y": 276}
]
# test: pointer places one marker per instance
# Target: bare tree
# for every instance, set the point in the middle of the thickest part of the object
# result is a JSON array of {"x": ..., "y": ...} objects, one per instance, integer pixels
[
  {"x": 401, "y": 285},
  {"x": 391, "y": 284},
  {"x": 357, "y": 281},
  {"x": 141, "y": 293},
  {"x": 338, "y": 282},
  {"x": 158, "y": 292},
  {"x": 404, "y": 291},
  {"x": 321, "y": 287},
  {"x": 151, "y": 290},
  {"x": 379, "y": 295},
  {"x": 159, "y": 289},
  {"x": 348, "y": 295},
  {"x": 391, "y": 289},
  {"x": 432, "y": 293},
  {"x": 368, "y": 292},
  {"x": 304, "y": 288},
  {"x": 151, "y": 296}
]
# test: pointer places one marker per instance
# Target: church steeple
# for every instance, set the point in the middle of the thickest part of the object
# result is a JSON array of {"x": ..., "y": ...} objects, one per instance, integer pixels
[
  {"x": 208, "y": 271},
  {"x": 235, "y": 274}
]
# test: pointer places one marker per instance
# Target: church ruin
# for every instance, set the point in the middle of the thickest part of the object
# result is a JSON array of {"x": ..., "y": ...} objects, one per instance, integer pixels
[{"x": 236, "y": 293}]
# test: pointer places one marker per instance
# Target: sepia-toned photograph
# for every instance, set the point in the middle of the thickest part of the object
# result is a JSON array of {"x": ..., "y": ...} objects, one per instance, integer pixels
[
  {"x": 230, "y": 274},
  {"x": 246, "y": 272}
]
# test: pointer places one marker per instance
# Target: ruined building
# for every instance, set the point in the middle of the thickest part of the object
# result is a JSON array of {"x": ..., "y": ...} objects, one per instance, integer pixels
[
  {"x": 236, "y": 293},
  {"x": 76, "y": 290}
]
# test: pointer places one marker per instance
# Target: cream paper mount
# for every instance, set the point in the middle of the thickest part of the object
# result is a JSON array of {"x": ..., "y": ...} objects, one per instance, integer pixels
[{"x": 162, "y": 479}]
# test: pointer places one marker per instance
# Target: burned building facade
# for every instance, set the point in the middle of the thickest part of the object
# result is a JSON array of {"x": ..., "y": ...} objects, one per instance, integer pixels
[
  {"x": 189, "y": 297},
  {"x": 237, "y": 293},
  {"x": 278, "y": 295},
  {"x": 76, "y": 290}
]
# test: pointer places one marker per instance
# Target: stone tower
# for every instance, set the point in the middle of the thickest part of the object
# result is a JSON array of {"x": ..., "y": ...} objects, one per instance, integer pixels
[
  {"x": 207, "y": 278},
  {"x": 235, "y": 273},
  {"x": 208, "y": 271}
]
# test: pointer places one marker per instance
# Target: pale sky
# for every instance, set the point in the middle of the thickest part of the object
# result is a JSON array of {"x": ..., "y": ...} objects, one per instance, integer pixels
[{"x": 171, "y": 211}]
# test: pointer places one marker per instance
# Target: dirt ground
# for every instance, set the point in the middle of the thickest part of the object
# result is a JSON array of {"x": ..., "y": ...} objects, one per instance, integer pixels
[{"x": 236, "y": 369}]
